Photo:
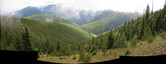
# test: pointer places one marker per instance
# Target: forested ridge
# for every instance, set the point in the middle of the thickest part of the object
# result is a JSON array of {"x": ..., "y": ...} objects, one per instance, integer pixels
[{"x": 143, "y": 28}]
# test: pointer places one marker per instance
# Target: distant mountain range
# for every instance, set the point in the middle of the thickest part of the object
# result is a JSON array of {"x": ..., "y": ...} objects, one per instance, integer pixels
[
  {"x": 88, "y": 20},
  {"x": 105, "y": 23},
  {"x": 28, "y": 11},
  {"x": 79, "y": 16}
]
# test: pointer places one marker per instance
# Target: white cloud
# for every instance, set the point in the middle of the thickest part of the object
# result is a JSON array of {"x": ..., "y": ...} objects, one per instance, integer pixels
[{"x": 117, "y": 5}]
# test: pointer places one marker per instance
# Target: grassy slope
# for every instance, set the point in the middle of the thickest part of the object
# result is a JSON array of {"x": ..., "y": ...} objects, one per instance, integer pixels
[
  {"x": 56, "y": 31},
  {"x": 104, "y": 24},
  {"x": 46, "y": 17},
  {"x": 146, "y": 49}
]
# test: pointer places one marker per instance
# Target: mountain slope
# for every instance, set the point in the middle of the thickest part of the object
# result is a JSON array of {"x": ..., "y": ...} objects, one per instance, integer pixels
[
  {"x": 144, "y": 28},
  {"x": 79, "y": 16},
  {"x": 110, "y": 21},
  {"x": 57, "y": 31},
  {"x": 28, "y": 11},
  {"x": 50, "y": 18},
  {"x": 144, "y": 36},
  {"x": 100, "y": 15}
]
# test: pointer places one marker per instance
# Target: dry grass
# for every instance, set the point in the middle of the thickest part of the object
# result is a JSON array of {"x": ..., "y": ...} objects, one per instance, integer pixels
[
  {"x": 143, "y": 48},
  {"x": 68, "y": 59},
  {"x": 148, "y": 49}
]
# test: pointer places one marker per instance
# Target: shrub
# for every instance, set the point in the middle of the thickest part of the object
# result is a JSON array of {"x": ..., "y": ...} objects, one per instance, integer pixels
[
  {"x": 127, "y": 52},
  {"x": 110, "y": 52},
  {"x": 74, "y": 58},
  {"x": 81, "y": 57},
  {"x": 150, "y": 39},
  {"x": 93, "y": 50},
  {"x": 60, "y": 58},
  {"x": 87, "y": 58}
]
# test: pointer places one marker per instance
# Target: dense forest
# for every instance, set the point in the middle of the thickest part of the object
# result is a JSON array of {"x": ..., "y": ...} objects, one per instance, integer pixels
[{"x": 22, "y": 37}]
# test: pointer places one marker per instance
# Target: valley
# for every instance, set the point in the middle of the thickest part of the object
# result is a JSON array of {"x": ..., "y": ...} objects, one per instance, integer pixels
[{"x": 68, "y": 35}]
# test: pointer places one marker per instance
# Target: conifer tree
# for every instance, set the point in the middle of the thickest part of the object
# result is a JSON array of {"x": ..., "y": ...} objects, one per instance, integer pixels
[
  {"x": 58, "y": 47},
  {"x": 26, "y": 40},
  {"x": 110, "y": 41},
  {"x": 17, "y": 45},
  {"x": 147, "y": 14}
]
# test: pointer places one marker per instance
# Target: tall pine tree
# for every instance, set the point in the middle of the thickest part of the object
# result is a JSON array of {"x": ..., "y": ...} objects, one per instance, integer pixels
[
  {"x": 110, "y": 41},
  {"x": 58, "y": 47},
  {"x": 26, "y": 40}
]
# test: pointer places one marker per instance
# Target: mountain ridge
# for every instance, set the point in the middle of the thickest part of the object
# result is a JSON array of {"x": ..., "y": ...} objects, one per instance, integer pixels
[
  {"x": 106, "y": 23},
  {"x": 50, "y": 18}
]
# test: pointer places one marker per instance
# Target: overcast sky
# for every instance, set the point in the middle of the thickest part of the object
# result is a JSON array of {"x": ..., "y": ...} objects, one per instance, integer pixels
[{"x": 116, "y": 5}]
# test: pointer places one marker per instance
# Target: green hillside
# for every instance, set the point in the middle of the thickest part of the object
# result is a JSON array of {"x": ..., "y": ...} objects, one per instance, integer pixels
[
  {"x": 100, "y": 15},
  {"x": 144, "y": 28},
  {"x": 50, "y": 18},
  {"x": 57, "y": 31},
  {"x": 111, "y": 21},
  {"x": 22, "y": 34},
  {"x": 143, "y": 36}
]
